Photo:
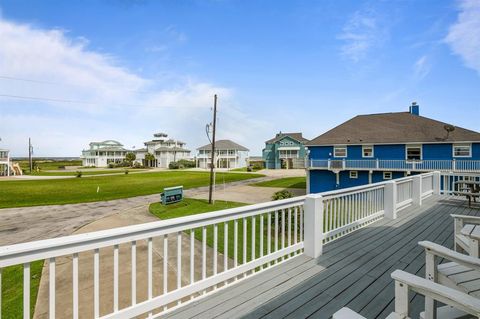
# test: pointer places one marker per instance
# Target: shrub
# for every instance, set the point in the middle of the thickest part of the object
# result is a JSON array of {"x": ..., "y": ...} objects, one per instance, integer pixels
[
  {"x": 126, "y": 172},
  {"x": 137, "y": 165},
  {"x": 186, "y": 163},
  {"x": 111, "y": 165},
  {"x": 257, "y": 166},
  {"x": 78, "y": 174},
  {"x": 174, "y": 165},
  {"x": 130, "y": 157},
  {"x": 282, "y": 195}
]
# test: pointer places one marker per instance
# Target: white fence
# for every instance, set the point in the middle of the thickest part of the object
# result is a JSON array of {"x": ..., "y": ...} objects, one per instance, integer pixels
[
  {"x": 396, "y": 165},
  {"x": 203, "y": 252},
  {"x": 453, "y": 182}
]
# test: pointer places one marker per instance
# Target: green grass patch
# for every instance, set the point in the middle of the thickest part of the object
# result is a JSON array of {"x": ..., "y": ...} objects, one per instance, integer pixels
[
  {"x": 20, "y": 193},
  {"x": 287, "y": 182},
  {"x": 12, "y": 289},
  {"x": 89, "y": 173},
  {"x": 191, "y": 206},
  {"x": 44, "y": 165}
]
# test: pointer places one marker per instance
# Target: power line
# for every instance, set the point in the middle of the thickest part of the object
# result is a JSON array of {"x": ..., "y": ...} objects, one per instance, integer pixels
[{"x": 33, "y": 98}]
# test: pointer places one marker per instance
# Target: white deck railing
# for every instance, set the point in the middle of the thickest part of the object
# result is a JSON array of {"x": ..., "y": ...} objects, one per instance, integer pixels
[
  {"x": 395, "y": 165},
  {"x": 199, "y": 246},
  {"x": 450, "y": 182}
]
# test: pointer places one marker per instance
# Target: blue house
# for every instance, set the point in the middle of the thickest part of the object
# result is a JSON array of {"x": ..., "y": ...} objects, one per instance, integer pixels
[
  {"x": 285, "y": 150},
  {"x": 378, "y": 147}
]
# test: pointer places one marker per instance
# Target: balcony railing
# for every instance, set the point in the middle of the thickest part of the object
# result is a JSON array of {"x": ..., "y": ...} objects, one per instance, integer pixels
[
  {"x": 395, "y": 165},
  {"x": 261, "y": 236}
]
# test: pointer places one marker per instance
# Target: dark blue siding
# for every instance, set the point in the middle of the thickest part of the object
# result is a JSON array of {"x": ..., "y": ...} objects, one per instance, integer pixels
[
  {"x": 320, "y": 152},
  {"x": 354, "y": 152},
  {"x": 346, "y": 181},
  {"x": 322, "y": 181},
  {"x": 395, "y": 151},
  {"x": 437, "y": 151}
]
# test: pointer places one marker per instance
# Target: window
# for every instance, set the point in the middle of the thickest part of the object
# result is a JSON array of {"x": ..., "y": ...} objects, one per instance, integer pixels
[
  {"x": 414, "y": 152},
  {"x": 462, "y": 150},
  {"x": 367, "y": 151},
  {"x": 387, "y": 175},
  {"x": 353, "y": 174},
  {"x": 340, "y": 151}
]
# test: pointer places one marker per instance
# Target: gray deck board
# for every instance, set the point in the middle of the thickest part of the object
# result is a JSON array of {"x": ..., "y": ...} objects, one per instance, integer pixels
[{"x": 354, "y": 271}]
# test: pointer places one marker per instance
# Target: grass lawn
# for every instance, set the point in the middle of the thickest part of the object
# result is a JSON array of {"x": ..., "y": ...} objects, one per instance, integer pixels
[
  {"x": 12, "y": 293},
  {"x": 47, "y": 165},
  {"x": 243, "y": 169},
  {"x": 88, "y": 173},
  {"x": 287, "y": 182},
  {"x": 191, "y": 206},
  {"x": 19, "y": 193}
]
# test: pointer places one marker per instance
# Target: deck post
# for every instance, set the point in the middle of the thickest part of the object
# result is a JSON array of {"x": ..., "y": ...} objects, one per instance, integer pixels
[
  {"x": 313, "y": 221},
  {"x": 390, "y": 200},
  {"x": 436, "y": 183},
  {"x": 417, "y": 190}
]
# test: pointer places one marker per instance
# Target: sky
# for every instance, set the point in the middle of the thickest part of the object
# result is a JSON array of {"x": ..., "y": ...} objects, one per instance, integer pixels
[{"x": 72, "y": 72}]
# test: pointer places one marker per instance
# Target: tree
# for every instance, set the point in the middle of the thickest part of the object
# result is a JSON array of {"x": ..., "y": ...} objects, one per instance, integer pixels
[
  {"x": 149, "y": 158},
  {"x": 130, "y": 157}
]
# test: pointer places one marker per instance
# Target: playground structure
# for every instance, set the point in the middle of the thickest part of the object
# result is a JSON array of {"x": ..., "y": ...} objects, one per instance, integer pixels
[{"x": 7, "y": 167}]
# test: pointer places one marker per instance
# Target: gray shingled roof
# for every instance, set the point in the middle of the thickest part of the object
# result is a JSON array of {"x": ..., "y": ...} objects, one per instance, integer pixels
[
  {"x": 171, "y": 149},
  {"x": 224, "y": 145},
  {"x": 387, "y": 128},
  {"x": 295, "y": 136}
]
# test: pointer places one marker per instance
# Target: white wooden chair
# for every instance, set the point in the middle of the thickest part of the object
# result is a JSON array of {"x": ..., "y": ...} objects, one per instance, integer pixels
[
  {"x": 458, "y": 304},
  {"x": 458, "y": 271},
  {"x": 463, "y": 242}
]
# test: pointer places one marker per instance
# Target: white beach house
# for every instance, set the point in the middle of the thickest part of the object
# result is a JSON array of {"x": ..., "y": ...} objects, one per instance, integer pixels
[
  {"x": 4, "y": 162},
  {"x": 165, "y": 150},
  {"x": 228, "y": 155},
  {"x": 100, "y": 154}
]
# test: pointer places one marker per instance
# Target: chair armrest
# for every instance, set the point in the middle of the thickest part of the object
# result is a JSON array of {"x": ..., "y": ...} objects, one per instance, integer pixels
[
  {"x": 440, "y": 251},
  {"x": 446, "y": 295},
  {"x": 347, "y": 313},
  {"x": 467, "y": 219}
]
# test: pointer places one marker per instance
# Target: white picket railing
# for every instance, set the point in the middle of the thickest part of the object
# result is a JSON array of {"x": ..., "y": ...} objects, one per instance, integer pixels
[
  {"x": 396, "y": 165},
  {"x": 261, "y": 236},
  {"x": 451, "y": 182}
]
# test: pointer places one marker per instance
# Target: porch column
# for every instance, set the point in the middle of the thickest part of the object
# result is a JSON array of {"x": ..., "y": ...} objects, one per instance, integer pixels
[
  {"x": 390, "y": 200},
  {"x": 313, "y": 221},
  {"x": 417, "y": 190}
]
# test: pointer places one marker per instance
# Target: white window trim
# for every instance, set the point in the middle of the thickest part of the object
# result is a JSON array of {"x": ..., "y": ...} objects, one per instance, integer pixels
[
  {"x": 465, "y": 156},
  {"x": 413, "y": 146},
  {"x": 391, "y": 175},
  {"x": 339, "y": 146},
  {"x": 353, "y": 174},
  {"x": 368, "y": 146}
]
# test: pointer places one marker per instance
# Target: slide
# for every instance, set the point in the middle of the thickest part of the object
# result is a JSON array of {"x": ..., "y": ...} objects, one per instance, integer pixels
[{"x": 15, "y": 169}]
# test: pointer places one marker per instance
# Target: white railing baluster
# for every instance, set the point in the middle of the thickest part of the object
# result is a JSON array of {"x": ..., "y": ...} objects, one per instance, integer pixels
[
  {"x": 115, "y": 278},
  {"x": 244, "y": 237},
  {"x": 75, "y": 285},
  {"x": 225, "y": 246},
  {"x": 165, "y": 266},
  {"x": 269, "y": 232},
  {"x": 253, "y": 238},
  {"x": 26, "y": 290},
  {"x": 133, "y": 249},
  {"x": 51, "y": 288},
  {"x": 276, "y": 231},
  {"x": 235, "y": 243},
  {"x": 289, "y": 223},
  {"x": 192, "y": 256},
  {"x": 215, "y": 248},
  {"x": 261, "y": 235},
  {"x": 283, "y": 228},
  {"x": 149, "y": 270},
  {"x": 301, "y": 224},
  {"x": 204, "y": 252},
  {"x": 96, "y": 283},
  {"x": 295, "y": 222},
  {"x": 179, "y": 261}
]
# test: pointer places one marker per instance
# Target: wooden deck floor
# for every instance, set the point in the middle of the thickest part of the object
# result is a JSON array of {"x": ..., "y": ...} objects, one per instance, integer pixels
[{"x": 354, "y": 271}]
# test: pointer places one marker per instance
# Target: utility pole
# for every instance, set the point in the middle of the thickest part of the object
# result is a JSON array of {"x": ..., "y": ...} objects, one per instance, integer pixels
[
  {"x": 30, "y": 154},
  {"x": 212, "y": 165}
]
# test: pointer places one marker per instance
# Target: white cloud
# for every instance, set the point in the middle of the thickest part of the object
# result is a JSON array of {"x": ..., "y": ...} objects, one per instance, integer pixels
[
  {"x": 362, "y": 32},
  {"x": 421, "y": 68},
  {"x": 464, "y": 35},
  {"x": 122, "y": 105}
]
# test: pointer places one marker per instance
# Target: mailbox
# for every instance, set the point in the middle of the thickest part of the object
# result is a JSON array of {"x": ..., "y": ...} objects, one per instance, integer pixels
[{"x": 171, "y": 195}]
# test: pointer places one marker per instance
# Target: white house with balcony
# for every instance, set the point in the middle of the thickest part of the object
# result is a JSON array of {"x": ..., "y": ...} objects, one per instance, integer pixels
[
  {"x": 164, "y": 150},
  {"x": 228, "y": 154},
  {"x": 100, "y": 154},
  {"x": 5, "y": 163}
]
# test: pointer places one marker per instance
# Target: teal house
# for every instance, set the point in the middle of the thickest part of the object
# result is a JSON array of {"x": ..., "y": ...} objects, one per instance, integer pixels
[{"x": 285, "y": 150}]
